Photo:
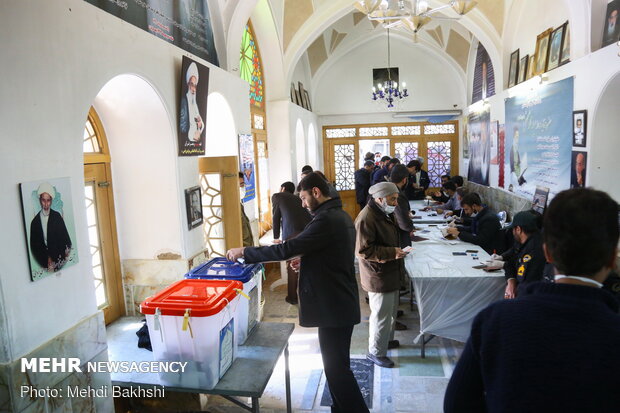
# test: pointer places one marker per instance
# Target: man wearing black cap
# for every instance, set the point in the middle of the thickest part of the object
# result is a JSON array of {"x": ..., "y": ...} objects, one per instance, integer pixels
[{"x": 525, "y": 262}]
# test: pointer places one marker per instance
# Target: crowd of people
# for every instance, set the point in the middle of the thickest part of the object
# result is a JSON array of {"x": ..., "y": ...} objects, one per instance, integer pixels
[{"x": 554, "y": 268}]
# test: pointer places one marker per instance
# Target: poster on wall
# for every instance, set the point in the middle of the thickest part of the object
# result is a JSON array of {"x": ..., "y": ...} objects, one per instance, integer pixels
[
  {"x": 611, "y": 31},
  {"x": 538, "y": 139},
  {"x": 49, "y": 225},
  {"x": 502, "y": 154},
  {"x": 494, "y": 133},
  {"x": 183, "y": 23},
  {"x": 247, "y": 167},
  {"x": 484, "y": 76},
  {"x": 193, "y": 207},
  {"x": 478, "y": 125},
  {"x": 193, "y": 112}
]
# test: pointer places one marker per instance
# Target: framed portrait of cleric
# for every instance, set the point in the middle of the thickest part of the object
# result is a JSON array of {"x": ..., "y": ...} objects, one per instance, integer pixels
[
  {"x": 523, "y": 68},
  {"x": 611, "y": 29},
  {"x": 565, "y": 54},
  {"x": 555, "y": 48},
  {"x": 514, "y": 68},
  {"x": 580, "y": 124},
  {"x": 531, "y": 66},
  {"x": 49, "y": 226},
  {"x": 193, "y": 108},
  {"x": 542, "y": 52},
  {"x": 193, "y": 206}
]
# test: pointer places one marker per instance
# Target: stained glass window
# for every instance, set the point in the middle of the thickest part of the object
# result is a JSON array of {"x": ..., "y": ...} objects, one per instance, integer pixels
[
  {"x": 406, "y": 151},
  {"x": 344, "y": 157},
  {"x": 251, "y": 67},
  {"x": 439, "y": 156}
]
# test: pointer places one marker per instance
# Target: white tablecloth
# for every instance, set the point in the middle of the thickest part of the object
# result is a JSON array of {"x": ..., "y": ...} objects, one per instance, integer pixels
[
  {"x": 425, "y": 217},
  {"x": 449, "y": 292}
]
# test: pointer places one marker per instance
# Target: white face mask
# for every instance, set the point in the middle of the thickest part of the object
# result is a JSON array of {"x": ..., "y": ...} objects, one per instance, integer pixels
[
  {"x": 387, "y": 208},
  {"x": 241, "y": 193}
]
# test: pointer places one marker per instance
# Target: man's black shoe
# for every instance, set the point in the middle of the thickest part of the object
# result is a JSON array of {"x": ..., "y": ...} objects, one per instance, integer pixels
[
  {"x": 398, "y": 326},
  {"x": 381, "y": 361},
  {"x": 393, "y": 344},
  {"x": 400, "y": 313},
  {"x": 288, "y": 300}
]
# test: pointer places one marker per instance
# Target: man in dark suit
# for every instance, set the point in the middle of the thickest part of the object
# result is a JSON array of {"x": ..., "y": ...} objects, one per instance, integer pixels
[
  {"x": 485, "y": 227},
  {"x": 418, "y": 181},
  {"x": 328, "y": 290},
  {"x": 362, "y": 182},
  {"x": 50, "y": 243},
  {"x": 292, "y": 218}
]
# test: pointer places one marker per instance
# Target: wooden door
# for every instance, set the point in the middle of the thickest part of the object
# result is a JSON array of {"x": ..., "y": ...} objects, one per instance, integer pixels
[
  {"x": 103, "y": 242},
  {"x": 340, "y": 171}
]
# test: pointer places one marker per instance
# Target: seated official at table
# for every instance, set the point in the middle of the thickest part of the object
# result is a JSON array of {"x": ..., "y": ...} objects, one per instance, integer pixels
[
  {"x": 485, "y": 227},
  {"x": 461, "y": 218},
  {"x": 441, "y": 196},
  {"x": 555, "y": 347},
  {"x": 452, "y": 204},
  {"x": 525, "y": 262}
]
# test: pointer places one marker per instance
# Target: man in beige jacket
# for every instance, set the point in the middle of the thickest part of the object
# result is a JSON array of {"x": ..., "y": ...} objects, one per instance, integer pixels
[{"x": 381, "y": 265}]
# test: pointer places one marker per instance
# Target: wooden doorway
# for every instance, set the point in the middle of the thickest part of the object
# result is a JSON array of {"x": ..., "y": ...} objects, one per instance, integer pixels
[{"x": 101, "y": 221}]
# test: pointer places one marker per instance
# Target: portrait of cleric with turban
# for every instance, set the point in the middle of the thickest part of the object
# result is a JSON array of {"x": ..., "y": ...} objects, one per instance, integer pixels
[
  {"x": 193, "y": 108},
  {"x": 50, "y": 243}
]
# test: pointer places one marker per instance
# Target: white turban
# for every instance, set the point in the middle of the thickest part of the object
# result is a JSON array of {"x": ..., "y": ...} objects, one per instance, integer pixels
[
  {"x": 46, "y": 187},
  {"x": 383, "y": 189},
  {"x": 421, "y": 160},
  {"x": 192, "y": 70}
]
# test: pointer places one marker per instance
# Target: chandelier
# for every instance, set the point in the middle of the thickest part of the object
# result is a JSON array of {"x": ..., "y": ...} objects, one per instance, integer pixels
[
  {"x": 389, "y": 91},
  {"x": 411, "y": 15}
]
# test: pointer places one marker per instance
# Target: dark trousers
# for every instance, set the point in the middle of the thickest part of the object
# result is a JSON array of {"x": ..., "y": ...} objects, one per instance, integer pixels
[
  {"x": 291, "y": 283},
  {"x": 335, "y": 343}
]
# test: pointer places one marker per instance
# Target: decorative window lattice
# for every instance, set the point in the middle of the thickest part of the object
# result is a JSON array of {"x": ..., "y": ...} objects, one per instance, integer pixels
[
  {"x": 212, "y": 211},
  {"x": 259, "y": 122},
  {"x": 405, "y": 130},
  {"x": 374, "y": 131},
  {"x": 406, "y": 151},
  {"x": 95, "y": 244},
  {"x": 438, "y": 160},
  {"x": 91, "y": 142},
  {"x": 344, "y": 163},
  {"x": 439, "y": 129},
  {"x": 251, "y": 67},
  {"x": 340, "y": 133}
]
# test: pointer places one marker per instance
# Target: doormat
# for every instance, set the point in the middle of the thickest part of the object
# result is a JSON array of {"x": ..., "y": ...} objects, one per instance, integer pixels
[{"x": 364, "y": 373}]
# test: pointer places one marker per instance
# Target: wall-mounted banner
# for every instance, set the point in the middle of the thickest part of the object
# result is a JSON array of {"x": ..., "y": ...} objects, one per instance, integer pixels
[
  {"x": 479, "y": 147},
  {"x": 246, "y": 165},
  {"x": 538, "y": 139},
  {"x": 184, "y": 23},
  {"x": 193, "y": 114}
]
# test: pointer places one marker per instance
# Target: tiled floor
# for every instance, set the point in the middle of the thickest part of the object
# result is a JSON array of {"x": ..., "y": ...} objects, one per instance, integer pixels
[{"x": 414, "y": 385}]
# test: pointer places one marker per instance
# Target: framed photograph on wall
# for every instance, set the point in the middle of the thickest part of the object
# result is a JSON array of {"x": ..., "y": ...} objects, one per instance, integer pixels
[
  {"x": 49, "y": 225},
  {"x": 514, "y": 68},
  {"x": 523, "y": 68},
  {"x": 611, "y": 30},
  {"x": 542, "y": 51},
  {"x": 578, "y": 169},
  {"x": 193, "y": 108},
  {"x": 555, "y": 48},
  {"x": 565, "y": 54},
  {"x": 580, "y": 122},
  {"x": 531, "y": 66},
  {"x": 307, "y": 99},
  {"x": 193, "y": 206},
  {"x": 293, "y": 94}
]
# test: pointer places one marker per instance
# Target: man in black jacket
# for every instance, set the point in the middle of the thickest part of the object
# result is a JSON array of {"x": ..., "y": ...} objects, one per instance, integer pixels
[
  {"x": 525, "y": 262},
  {"x": 485, "y": 227},
  {"x": 418, "y": 181},
  {"x": 362, "y": 183},
  {"x": 402, "y": 213},
  {"x": 328, "y": 291},
  {"x": 292, "y": 217},
  {"x": 555, "y": 347}
]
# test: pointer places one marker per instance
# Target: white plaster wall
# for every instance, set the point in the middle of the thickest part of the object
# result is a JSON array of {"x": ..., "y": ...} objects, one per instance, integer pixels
[
  {"x": 300, "y": 146},
  {"x": 346, "y": 87},
  {"x": 67, "y": 50}
]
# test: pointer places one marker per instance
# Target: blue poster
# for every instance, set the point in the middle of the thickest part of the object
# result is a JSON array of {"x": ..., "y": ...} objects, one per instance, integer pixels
[
  {"x": 539, "y": 138},
  {"x": 246, "y": 165}
]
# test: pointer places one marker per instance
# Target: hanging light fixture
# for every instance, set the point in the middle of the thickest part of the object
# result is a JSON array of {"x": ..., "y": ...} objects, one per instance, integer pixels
[{"x": 389, "y": 91}]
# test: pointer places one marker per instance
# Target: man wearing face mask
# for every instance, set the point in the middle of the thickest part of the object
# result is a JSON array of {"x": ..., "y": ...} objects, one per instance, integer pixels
[
  {"x": 485, "y": 227},
  {"x": 381, "y": 266},
  {"x": 246, "y": 228}
]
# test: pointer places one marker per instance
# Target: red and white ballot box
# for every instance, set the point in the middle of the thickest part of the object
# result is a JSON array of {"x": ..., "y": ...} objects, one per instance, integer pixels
[{"x": 193, "y": 321}]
